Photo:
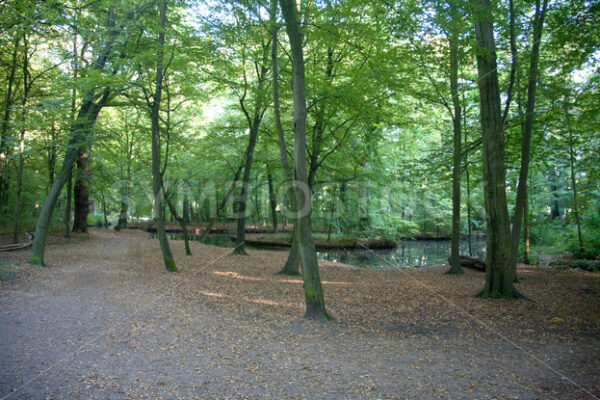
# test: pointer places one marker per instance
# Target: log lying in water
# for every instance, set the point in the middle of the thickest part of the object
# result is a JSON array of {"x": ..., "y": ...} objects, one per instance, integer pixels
[
  {"x": 472, "y": 263},
  {"x": 19, "y": 246}
]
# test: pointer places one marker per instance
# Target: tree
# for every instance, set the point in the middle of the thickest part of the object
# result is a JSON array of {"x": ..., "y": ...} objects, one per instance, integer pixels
[
  {"x": 499, "y": 276},
  {"x": 527, "y": 128},
  {"x": 315, "y": 304},
  {"x": 157, "y": 179},
  {"x": 94, "y": 100}
]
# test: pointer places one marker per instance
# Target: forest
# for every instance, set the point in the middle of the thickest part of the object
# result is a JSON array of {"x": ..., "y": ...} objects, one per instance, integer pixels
[{"x": 347, "y": 132}]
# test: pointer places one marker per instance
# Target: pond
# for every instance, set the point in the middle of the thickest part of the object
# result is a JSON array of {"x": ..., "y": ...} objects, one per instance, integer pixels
[{"x": 409, "y": 253}]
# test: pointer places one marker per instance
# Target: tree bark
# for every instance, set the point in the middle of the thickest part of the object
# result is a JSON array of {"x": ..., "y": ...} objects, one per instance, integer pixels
[
  {"x": 8, "y": 101},
  {"x": 254, "y": 125},
  {"x": 81, "y": 196},
  {"x": 26, "y": 89},
  {"x": 573, "y": 181},
  {"x": 527, "y": 130},
  {"x": 156, "y": 172},
  {"x": 292, "y": 265},
  {"x": 67, "y": 216},
  {"x": 315, "y": 303},
  {"x": 499, "y": 277},
  {"x": 455, "y": 267},
  {"x": 181, "y": 221},
  {"x": 240, "y": 246},
  {"x": 272, "y": 201},
  {"x": 88, "y": 113}
]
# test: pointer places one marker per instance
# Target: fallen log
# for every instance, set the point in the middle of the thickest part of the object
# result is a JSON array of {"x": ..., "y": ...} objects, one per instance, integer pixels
[
  {"x": 471, "y": 262},
  {"x": 19, "y": 246}
]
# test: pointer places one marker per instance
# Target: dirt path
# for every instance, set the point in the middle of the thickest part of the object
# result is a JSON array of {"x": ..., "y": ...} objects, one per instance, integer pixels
[{"x": 106, "y": 321}]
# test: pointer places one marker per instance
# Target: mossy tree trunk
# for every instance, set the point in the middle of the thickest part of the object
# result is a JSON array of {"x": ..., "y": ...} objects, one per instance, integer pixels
[
  {"x": 90, "y": 107},
  {"x": 499, "y": 277},
  {"x": 315, "y": 303},
  {"x": 292, "y": 264},
  {"x": 85, "y": 120},
  {"x": 156, "y": 172}
]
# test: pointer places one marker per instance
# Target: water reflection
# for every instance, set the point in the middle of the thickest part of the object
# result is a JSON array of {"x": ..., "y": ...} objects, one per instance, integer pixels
[{"x": 409, "y": 253}]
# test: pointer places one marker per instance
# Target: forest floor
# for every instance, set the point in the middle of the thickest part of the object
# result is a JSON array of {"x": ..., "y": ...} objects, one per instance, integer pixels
[{"x": 106, "y": 320}]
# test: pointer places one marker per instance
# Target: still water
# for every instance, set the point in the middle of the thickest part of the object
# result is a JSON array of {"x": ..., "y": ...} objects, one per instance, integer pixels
[{"x": 409, "y": 253}]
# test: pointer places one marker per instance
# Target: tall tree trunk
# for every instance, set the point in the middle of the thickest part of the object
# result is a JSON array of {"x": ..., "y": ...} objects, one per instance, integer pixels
[
  {"x": 81, "y": 196},
  {"x": 181, "y": 221},
  {"x": 292, "y": 265},
  {"x": 499, "y": 277},
  {"x": 242, "y": 199},
  {"x": 468, "y": 177},
  {"x": 254, "y": 125},
  {"x": 455, "y": 267},
  {"x": 67, "y": 216},
  {"x": 186, "y": 207},
  {"x": 4, "y": 148},
  {"x": 26, "y": 88},
  {"x": 156, "y": 173},
  {"x": 526, "y": 232},
  {"x": 573, "y": 181},
  {"x": 104, "y": 208},
  {"x": 272, "y": 201},
  {"x": 527, "y": 129},
  {"x": 553, "y": 183},
  {"x": 125, "y": 186},
  {"x": 315, "y": 303}
]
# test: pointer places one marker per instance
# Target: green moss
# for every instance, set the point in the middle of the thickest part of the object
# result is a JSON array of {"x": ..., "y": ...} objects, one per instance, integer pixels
[
  {"x": 170, "y": 264},
  {"x": 310, "y": 293},
  {"x": 36, "y": 260}
]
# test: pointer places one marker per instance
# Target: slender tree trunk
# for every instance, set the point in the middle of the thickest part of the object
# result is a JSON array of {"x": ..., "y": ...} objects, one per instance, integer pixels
[
  {"x": 81, "y": 195},
  {"x": 181, "y": 221},
  {"x": 104, "y": 208},
  {"x": 125, "y": 186},
  {"x": 4, "y": 148},
  {"x": 526, "y": 232},
  {"x": 573, "y": 181},
  {"x": 469, "y": 223},
  {"x": 315, "y": 303},
  {"x": 73, "y": 121},
  {"x": 19, "y": 188},
  {"x": 243, "y": 196},
  {"x": 26, "y": 88},
  {"x": 67, "y": 216},
  {"x": 186, "y": 207},
  {"x": 527, "y": 130},
  {"x": 455, "y": 267},
  {"x": 222, "y": 205},
  {"x": 292, "y": 265},
  {"x": 156, "y": 173},
  {"x": 272, "y": 201},
  {"x": 499, "y": 277},
  {"x": 554, "y": 206}
]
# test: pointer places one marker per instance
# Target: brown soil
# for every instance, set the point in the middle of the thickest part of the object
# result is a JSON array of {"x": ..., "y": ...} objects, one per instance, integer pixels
[{"x": 105, "y": 320}]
